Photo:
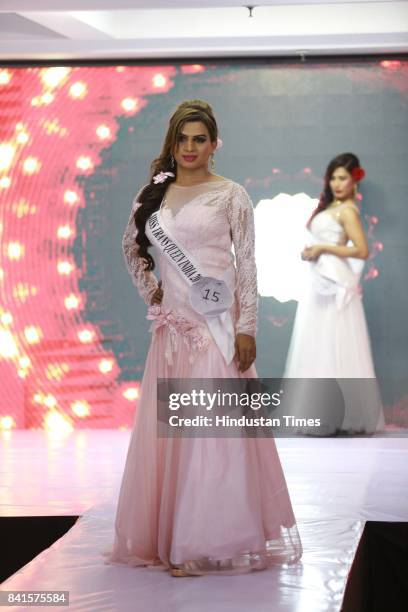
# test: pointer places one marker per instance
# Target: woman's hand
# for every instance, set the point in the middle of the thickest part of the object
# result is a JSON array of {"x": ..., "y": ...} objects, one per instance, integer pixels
[
  {"x": 245, "y": 351},
  {"x": 157, "y": 295},
  {"x": 312, "y": 253}
]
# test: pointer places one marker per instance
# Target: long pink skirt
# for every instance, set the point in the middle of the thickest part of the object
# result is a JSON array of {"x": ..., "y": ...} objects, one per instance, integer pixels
[{"x": 207, "y": 505}]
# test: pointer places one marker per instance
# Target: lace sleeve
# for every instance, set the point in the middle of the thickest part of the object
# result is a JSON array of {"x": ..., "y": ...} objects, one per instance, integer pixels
[
  {"x": 241, "y": 219},
  {"x": 145, "y": 281}
]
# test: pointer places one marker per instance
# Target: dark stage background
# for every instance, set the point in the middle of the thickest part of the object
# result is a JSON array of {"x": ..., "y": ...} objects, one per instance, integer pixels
[{"x": 76, "y": 145}]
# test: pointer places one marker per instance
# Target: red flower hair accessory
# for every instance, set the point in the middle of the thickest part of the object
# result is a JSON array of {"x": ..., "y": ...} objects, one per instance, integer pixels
[{"x": 358, "y": 174}]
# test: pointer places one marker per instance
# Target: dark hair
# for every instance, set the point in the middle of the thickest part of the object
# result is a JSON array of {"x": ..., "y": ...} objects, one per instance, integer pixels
[
  {"x": 152, "y": 195},
  {"x": 349, "y": 161}
]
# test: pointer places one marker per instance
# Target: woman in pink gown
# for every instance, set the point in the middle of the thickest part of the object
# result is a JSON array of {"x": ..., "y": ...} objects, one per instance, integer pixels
[{"x": 198, "y": 505}]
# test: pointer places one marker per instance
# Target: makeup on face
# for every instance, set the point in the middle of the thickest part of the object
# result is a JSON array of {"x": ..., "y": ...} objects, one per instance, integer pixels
[
  {"x": 341, "y": 182},
  {"x": 193, "y": 146}
]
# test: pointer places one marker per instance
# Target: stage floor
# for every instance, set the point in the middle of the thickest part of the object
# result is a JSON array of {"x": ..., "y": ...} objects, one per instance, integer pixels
[{"x": 336, "y": 485}]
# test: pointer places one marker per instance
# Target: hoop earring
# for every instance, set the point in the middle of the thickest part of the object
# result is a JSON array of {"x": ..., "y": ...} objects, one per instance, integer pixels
[{"x": 212, "y": 163}]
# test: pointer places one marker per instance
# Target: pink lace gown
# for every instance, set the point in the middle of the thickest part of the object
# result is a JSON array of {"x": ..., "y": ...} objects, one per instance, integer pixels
[{"x": 208, "y": 505}]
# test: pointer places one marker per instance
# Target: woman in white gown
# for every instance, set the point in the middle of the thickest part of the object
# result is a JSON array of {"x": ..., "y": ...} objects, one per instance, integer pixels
[
  {"x": 197, "y": 505},
  {"x": 330, "y": 338}
]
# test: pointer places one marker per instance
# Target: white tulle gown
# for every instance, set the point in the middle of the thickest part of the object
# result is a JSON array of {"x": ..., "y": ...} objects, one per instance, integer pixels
[
  {"x": 207, "y": 505},
  {"x": 330, "y": 337}
]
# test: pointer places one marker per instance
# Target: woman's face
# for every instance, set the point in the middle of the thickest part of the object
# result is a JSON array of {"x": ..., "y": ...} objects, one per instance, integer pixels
[
  {"x": 342, "y": 184},
  {"x": 194, "y": 146}
]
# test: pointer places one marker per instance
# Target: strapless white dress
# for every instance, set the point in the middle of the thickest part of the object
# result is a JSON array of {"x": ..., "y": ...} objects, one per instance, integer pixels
[{"x": 330, "y": 337}]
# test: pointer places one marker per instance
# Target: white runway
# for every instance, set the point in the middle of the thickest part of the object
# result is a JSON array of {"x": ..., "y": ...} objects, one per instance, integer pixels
[{"x": 335, "y": 486}]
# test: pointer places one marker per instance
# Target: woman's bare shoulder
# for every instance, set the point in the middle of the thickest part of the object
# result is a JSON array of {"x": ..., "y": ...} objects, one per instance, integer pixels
[{"x": 349, "y": 210}]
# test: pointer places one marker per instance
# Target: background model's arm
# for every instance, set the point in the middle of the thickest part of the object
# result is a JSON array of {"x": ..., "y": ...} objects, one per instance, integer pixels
[{"x": 350, "y": 220}]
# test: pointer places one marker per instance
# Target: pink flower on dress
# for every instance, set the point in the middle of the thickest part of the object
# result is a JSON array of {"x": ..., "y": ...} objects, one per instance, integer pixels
[
  {"x": 178, "y": 328},
  {"x": 155, "y": 313}
]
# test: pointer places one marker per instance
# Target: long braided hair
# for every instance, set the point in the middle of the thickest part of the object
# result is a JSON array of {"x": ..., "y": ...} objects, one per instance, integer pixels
[
  {"x": 349, "y": 161},
  {"x": 153, "y": 194}
]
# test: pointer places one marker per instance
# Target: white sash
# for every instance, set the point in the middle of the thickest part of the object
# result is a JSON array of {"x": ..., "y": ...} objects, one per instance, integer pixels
[
  {"x": 338, "y": 276},
  {"x": 210, "y": 297}
]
